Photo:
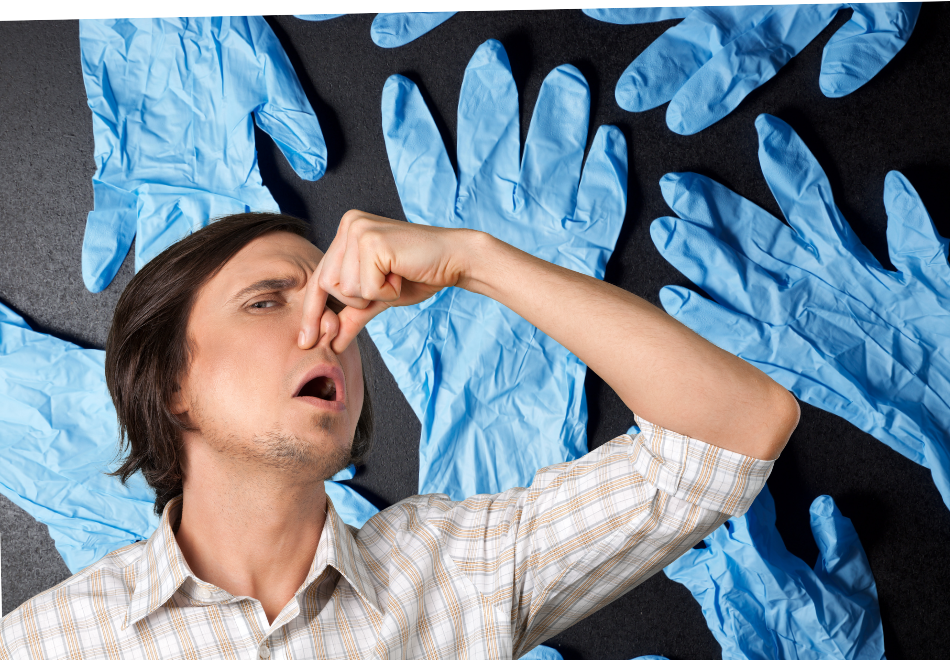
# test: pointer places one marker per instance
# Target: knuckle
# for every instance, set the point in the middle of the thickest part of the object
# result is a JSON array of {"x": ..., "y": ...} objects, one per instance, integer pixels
[
  {"x": 352, "y": 216},
  {"x": 325, "y": 281},
  {"x": 371, "y": 239}
]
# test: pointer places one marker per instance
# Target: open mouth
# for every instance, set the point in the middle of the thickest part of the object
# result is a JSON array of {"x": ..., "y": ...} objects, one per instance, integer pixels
[{"x": 321, "y": 387}]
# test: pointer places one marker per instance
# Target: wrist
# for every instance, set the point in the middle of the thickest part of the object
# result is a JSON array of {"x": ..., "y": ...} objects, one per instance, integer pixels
[{"x": 475, "y": 258}]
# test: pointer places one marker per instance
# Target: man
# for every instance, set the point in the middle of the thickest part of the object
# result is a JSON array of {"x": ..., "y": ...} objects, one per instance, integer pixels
[{"x": 239, "y": 389}]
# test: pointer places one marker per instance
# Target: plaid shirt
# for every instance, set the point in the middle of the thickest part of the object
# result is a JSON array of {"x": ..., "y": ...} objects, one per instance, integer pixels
[{"x": 489, "y": 577}]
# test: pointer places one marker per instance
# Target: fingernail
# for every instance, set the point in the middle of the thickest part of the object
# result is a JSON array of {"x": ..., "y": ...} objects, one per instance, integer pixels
[{"x": 302, "y": 338}]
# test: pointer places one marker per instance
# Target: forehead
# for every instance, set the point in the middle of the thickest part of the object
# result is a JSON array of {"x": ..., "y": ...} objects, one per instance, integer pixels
[{"x": 271, "y": 256}]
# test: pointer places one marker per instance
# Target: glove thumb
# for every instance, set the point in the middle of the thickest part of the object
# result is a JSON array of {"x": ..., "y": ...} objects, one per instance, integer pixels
[
  {"x": 110, "y": 229},
  {"x": 394, "y": 30},
  {"x": 841, "y": 563}
]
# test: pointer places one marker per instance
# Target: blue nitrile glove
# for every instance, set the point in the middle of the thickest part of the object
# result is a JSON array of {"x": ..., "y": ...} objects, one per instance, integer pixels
[
  {"x": 393, "y": 30},
  {"x": 715, "y": 56},
  {"x": 762, "y": 602},
  {"x": 810, "y": 306},
  {"x": 172, "y": 103},
  {"x": 58, "y": 438},
  {"x": 497, "y": 398}
]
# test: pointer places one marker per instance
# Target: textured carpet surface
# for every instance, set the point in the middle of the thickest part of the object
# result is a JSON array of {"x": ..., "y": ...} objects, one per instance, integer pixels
[{"x": 897, "y": 121}]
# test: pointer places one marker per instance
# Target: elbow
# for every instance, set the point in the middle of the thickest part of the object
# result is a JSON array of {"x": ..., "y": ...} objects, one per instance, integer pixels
[{"x": 784, "y": 415}]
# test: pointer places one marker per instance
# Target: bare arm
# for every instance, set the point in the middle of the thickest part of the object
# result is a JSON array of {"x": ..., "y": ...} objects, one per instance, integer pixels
[{"x": 661, "y": 369}]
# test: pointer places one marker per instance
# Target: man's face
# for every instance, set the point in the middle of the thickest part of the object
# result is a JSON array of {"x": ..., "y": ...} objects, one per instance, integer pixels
[{"x": 251, "y": 392}]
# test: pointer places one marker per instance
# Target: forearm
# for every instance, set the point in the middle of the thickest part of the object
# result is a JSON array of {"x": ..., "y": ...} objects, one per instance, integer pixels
[{"x": 661, "y": 369}]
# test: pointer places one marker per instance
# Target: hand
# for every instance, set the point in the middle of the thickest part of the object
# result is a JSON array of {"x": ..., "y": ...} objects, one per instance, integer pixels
[{"x": 373, "y": 264}]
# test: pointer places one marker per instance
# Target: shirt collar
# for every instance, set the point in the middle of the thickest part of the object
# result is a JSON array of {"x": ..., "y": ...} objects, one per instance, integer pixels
[
  {"x": 161, "y": 571},
  {"x": 338, "y": 541}
]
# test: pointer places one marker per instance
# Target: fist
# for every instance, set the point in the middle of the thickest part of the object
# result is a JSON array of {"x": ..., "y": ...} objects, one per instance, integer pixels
[{"x": 375, "y": 263}]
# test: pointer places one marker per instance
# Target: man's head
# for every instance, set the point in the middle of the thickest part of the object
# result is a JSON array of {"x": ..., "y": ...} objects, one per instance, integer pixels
[{"x": 203, "y": 356}]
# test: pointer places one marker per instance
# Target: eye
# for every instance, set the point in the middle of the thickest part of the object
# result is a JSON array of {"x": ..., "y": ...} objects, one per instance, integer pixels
[{"x": 262, "y": 304}]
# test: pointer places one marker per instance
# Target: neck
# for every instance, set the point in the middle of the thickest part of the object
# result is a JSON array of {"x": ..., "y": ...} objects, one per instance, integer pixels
[{"x": 250, "y": 530}]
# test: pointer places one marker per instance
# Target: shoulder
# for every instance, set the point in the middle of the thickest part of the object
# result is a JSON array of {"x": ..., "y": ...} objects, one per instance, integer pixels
[
  {"x": 407, "y": 517},
  {"x": 40, "y": 625}
]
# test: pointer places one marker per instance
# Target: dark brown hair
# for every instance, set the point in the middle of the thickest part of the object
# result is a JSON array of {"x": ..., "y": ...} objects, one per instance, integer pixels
[{"x": 147, "y": 351}]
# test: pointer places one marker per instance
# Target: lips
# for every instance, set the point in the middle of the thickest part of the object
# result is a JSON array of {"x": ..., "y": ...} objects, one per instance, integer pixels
[{"x": 323, "y": 386}]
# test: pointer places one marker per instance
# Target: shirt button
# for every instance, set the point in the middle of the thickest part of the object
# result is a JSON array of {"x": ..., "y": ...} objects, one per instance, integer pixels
[{"x": 264, "y": 651}]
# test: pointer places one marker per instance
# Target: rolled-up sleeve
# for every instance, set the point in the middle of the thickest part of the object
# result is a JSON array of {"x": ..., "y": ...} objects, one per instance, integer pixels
[{"x": 586, "y": 532}]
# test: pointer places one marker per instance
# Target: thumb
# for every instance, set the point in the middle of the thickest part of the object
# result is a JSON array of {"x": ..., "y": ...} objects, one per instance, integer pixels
[{"x": 352, "y": 321}]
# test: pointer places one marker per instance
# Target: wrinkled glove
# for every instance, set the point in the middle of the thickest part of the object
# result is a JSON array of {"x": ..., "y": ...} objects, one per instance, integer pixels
[
  {"x": 762, "y": 602},
  {"x": 172, "y": 103},
  {"x": 715, "y": 56},
  {"x": 393, "y": 30},
  {"x": 810, "y": 306},
  {"x": 58, "y": 438},
  {"x": 497, "y": 398}
]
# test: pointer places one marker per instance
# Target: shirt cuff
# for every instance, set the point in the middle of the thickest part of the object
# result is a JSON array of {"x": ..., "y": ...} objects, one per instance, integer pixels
[{"x": 696, "y": 472}]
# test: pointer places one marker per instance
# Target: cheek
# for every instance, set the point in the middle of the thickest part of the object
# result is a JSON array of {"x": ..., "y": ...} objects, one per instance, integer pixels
[{"x": 231, "y": 372}]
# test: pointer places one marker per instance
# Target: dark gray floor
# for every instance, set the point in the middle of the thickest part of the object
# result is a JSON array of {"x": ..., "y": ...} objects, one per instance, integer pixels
[{"x": 897, "y": 121}]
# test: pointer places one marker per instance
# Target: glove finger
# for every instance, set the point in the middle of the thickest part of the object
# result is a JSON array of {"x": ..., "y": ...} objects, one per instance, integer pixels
[
  {"x": 601, "y": 200},
  {"x": 110, "y": 229},
  {"x": 668, "y": 63},
  {"x": 803, "y": 192},
  {"x": 554, "y": 148},
  {"x": 317, "y": 17},
  {"x": 737, "y": 222},
  {"x": 724, "y": 273},
  {"x": 731, "y": 331},
  {"x": 915, "y": 247},
  {"x": 743, "y": 64},
  {"x": 488, "y": 130},
  {"x": 863, "y": 45},
  {"x": 841, "y": 558},
  {"x": 286, "y": 114},
  {"x": 638, "y": 15},
  {"x": 394, "y": 30},
  {"x": 421, "y": 167}
]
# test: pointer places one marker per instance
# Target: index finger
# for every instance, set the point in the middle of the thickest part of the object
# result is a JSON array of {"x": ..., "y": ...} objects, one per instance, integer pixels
[{"x": 315, "y": 299}]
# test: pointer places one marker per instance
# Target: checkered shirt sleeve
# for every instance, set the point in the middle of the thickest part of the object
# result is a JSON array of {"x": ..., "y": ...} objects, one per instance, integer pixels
[{"x": 586, "y": 532}]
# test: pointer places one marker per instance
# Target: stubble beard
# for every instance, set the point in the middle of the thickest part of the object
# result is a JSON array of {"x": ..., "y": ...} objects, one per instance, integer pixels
[{"x": 284, "y": 451}]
